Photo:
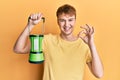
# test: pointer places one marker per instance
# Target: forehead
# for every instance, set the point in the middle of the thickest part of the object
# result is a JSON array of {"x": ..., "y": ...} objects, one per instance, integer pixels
[{"x": 63, "y": 16}]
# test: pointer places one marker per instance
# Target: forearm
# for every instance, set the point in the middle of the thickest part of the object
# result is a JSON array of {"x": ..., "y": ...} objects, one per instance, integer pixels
[
  {"x": 96, "y": 65},
  {"x": 21, "y": 45}
]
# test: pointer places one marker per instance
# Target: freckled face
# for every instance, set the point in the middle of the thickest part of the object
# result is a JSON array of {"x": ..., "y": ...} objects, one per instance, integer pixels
[{"x": 66, "y": 23}]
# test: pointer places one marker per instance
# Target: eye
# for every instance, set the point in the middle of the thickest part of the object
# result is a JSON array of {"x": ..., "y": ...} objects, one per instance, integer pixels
[
  {"x": 61, "y": 20},
  {"x": 70, "y": 20}
]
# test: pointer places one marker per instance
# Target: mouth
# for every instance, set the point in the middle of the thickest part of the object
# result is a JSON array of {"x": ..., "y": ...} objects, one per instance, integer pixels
[{"x": 66, "y": 29}]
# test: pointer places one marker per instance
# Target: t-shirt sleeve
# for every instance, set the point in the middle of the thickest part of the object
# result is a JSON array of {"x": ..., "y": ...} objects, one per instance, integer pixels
[
  {"x": 45, "y": 40},
  {"x": 88, "y": 56},
  {"x": 44, "y": 43}
]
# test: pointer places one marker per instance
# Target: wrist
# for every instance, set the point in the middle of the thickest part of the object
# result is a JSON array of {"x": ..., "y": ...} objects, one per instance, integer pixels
[
  {"x": 29, "y": 28},
  {"x": 91, "y": 42},
  {"x": 30, "y": 24}
]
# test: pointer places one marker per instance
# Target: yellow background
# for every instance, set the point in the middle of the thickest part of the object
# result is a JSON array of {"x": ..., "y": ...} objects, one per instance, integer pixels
[{"x": 104, "y": 15}]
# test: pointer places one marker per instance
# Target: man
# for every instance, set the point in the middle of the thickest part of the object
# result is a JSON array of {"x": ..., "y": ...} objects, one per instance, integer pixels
[{"x": 65, "y": 54}]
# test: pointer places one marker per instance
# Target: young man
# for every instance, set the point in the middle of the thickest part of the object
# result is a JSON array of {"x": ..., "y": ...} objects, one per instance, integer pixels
[{"x": 65, "y": 54}]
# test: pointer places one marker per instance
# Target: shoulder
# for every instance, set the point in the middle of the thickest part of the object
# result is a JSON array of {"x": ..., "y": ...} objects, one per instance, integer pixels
[{"x": 50, "y": 37}]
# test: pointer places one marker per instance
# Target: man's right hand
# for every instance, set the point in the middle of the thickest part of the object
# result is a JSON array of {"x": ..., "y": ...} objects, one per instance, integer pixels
[{"x": 34, "y": 19}]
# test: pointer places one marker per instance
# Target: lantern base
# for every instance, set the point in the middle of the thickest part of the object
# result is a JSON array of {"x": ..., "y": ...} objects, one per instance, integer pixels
[{"x": 36, "y": 62}]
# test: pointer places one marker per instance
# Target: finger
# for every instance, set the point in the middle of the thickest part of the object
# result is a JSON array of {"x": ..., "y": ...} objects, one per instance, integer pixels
[
  {"x": 92, "y": 30},
  {"x": 39, "y": 16},
  {"x": 88, "y": 28},
  {"x": 85, "y": 27},
  {"x": 34, "y": 16},
  {"x": 30, "y": 17},
  {"x": 82, "y": 33}
]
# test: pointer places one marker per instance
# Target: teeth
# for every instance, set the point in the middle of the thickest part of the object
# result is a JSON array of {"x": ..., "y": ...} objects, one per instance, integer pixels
[{"x": 66, "y": 28}]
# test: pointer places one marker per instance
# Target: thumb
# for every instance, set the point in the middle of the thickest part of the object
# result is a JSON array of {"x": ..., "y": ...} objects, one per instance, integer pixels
[{"x": 81, "y": 34}]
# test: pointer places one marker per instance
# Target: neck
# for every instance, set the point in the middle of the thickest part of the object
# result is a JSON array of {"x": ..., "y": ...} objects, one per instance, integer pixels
[{"x": 68, "y": 37}]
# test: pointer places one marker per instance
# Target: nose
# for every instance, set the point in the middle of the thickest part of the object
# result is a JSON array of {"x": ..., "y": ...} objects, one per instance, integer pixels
[{"x": 66, "y": 23}]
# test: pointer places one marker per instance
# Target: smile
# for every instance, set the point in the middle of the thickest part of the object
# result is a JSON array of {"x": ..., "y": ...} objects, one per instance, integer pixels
[{"x": 67, "y": 28}]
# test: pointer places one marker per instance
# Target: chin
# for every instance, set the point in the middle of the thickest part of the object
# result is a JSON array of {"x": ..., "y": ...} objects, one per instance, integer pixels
[{"x": 68, "y": 33}]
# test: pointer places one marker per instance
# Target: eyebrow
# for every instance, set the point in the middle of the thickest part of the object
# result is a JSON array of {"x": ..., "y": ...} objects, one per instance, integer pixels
[{"x": 64, "y": 19}]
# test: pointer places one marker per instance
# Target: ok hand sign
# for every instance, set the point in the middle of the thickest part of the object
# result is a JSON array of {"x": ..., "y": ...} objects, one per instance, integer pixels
[{"x": 87, "y": 34}]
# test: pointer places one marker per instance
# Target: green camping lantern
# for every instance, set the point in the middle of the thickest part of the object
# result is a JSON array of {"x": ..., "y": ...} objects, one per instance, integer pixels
[{"x": 36, "y": 54}]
